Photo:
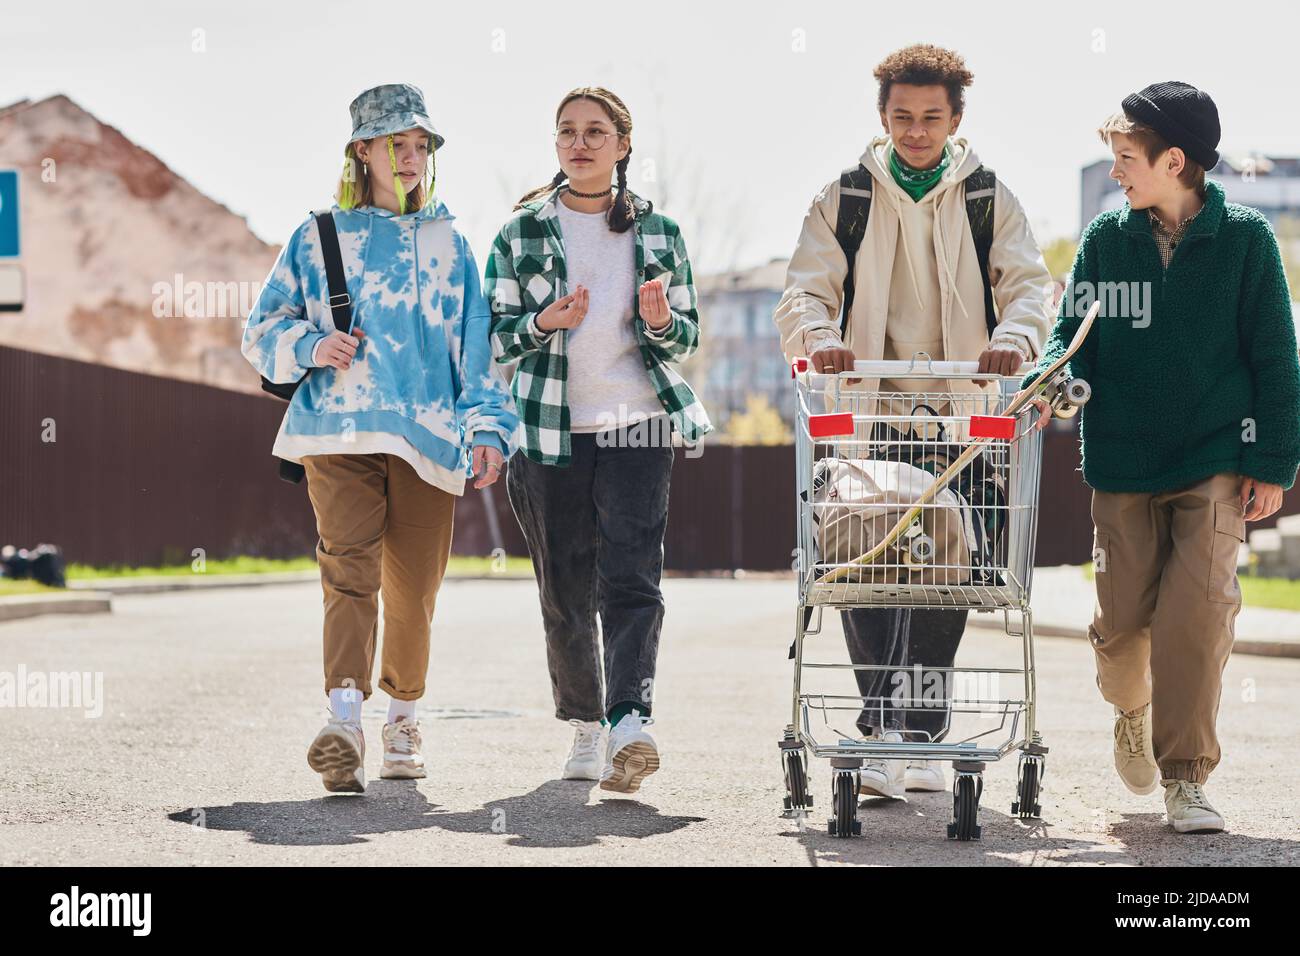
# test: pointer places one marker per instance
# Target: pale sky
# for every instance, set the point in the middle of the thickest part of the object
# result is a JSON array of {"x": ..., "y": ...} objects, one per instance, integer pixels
[{"x": 756, "y": 104}]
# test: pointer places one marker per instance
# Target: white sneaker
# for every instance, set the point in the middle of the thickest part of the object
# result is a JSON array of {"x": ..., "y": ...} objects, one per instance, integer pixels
[
  {"x": 1133, "y": 756},
  {"x": 338, "y": 754},
  {"x": 925, "y": 775},
  {"x": 1189, "y": 810},
  {"x": 883, "y": 778},
  {"x": 631, "y": 755},
  {"x": 587, "y": 758},
  {"x": 402, "y": 758}
]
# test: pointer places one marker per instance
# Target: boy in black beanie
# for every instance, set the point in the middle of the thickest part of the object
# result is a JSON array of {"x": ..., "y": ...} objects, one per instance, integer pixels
[{"x": 1193, "y": 429}]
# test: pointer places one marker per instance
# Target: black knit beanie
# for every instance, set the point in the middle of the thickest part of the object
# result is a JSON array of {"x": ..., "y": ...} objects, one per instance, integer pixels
[{"x": 1185, "y": 116}]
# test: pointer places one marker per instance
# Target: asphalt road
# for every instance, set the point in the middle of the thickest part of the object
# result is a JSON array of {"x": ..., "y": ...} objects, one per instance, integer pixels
[{"x": 209, "y": 700}]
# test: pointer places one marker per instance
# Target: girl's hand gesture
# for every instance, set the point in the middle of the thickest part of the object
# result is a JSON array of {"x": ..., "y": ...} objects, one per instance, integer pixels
[
  {"x": 338, "y": 349},
  {"x": 565, "y": 313},
  {"x": 654, "y": 305},
  {"x": 487, "y": 465}
]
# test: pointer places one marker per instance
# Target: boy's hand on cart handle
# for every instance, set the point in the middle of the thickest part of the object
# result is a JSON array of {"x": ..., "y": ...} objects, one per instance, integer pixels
[
  {"x": 1000, "y": 361},
  {"x": 338, "y": 349},
  {"x": 487, "y": 465},
  {"x": 566, "y": 312},
  {"x": 655, "y": 311},
  {"x": 832, "y": 361},
  {"x": 1268, "y": 498}
]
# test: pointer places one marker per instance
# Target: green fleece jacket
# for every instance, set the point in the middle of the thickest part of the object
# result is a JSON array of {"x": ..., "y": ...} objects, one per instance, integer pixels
[{"x": 1193, "y": 368}]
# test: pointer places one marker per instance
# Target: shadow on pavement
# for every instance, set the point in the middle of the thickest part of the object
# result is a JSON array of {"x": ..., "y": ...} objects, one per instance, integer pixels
[
  {"x": 556, "y": 814},
  {"x": 914, "y": 832}
]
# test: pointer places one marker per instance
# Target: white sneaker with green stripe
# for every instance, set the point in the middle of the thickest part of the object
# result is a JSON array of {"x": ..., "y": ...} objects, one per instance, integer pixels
[{"x": 631, "y": 755}]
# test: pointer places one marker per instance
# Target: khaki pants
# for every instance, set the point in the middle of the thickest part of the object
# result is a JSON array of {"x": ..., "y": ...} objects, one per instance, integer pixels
[
  {"x": 1167, "y": 597},
  {"x": 382, "y": 528}
]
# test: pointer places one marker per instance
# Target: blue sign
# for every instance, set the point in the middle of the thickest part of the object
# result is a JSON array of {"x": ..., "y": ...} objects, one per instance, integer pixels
[{"x": 8, "y": 213}]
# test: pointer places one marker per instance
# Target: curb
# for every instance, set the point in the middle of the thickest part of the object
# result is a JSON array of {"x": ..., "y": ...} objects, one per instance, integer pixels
[
  {"x": 1256, "y": 648},
  {"x": 19, "y": 606}
]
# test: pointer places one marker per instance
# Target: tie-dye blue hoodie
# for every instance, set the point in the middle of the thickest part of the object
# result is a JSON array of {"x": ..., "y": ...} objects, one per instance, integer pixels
[{"x": 423, "y": 385}]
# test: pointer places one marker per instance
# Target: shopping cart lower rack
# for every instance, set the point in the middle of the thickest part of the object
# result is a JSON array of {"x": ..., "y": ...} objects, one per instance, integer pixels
[{"x": 877, "y": 528}]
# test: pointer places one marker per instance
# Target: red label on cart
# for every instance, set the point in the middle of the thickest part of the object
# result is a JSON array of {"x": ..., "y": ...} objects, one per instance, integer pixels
[
  {"x": 797, "y": 366},
  {"x": 992, "y": 426},
  {"x": 827, "y": 426}
]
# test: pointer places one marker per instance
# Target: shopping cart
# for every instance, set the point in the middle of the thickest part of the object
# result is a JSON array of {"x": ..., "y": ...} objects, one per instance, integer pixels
[{"x": 862, "y": 456}]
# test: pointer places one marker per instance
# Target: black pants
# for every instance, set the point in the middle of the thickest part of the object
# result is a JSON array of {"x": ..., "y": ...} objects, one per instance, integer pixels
[
  {"x": 901, "y": 638},
  {"x": 595, "y": 531}
]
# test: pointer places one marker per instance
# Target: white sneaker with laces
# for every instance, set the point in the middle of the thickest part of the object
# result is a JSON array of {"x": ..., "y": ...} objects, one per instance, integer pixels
[
  {"x": 883, "y": 778},
  {"x": 402, "y": 758},
  {"x": 631, "y": 755},
  {"x": 924, "y": 775},
  {"x": 1134, "y": 759},
  {"x": 1189, "y": 809},
  {"x": 587, "y": 757},
  {"x": 338, "y": 754}
]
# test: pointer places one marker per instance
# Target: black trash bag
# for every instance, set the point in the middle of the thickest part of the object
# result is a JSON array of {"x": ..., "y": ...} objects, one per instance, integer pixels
[{"x": 43, "y": 564}]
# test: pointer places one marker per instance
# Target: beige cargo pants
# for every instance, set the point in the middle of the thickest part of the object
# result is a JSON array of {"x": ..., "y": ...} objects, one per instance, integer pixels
[
  {"x": 1167, "y": 597},
  {"x": 382, "y": 529}
]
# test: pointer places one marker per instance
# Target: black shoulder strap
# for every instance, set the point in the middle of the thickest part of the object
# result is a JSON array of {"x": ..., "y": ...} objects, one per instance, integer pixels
[
  {"x": 339, "y": 301},
  {"x": 980, "y": 189},
  {"x": 340, "y": 304},
  {"x": 851, "y": 226}
]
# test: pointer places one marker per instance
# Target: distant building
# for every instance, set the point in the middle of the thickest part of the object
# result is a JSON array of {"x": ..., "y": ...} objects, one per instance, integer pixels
[
  {"x": 126, "y": 263},
  {"x": 1269, "y": 183},
  {"x": 740, "y": 351}
]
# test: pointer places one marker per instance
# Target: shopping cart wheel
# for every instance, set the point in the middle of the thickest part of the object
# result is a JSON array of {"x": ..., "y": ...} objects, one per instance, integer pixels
[
  {"x": 1026, "y": 805},
  {"x": 845, "y": 821},
  {"x": 966, "y": 790},
  {"x": 796, "y": 781}
]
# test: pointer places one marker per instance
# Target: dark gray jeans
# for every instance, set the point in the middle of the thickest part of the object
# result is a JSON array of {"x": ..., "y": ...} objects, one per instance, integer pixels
[
  {"x": 903, "y": 637},
  {"x": 595, "y": 531}
]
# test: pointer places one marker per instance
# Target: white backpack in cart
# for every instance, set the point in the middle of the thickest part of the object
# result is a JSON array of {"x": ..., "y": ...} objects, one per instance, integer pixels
[{"x": 857, "y": 501}]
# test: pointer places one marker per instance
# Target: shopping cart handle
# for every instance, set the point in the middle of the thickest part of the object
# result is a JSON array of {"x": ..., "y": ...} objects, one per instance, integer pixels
[{"x": 920, "y": 366}]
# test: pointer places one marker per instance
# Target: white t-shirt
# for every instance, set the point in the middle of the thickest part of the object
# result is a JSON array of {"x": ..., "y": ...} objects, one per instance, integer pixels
[{"x": 608, "y": 385}]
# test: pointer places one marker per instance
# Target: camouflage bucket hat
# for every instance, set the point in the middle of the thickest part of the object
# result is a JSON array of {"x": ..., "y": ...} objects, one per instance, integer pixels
[{"x": 391, "y": 108}]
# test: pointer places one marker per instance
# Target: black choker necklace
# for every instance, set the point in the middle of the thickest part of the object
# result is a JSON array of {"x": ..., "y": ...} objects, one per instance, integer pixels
[{"x": 574, "y": 192}]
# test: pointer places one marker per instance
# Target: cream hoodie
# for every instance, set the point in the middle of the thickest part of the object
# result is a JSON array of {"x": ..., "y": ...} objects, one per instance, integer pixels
[{"x": 917, "y": 279}]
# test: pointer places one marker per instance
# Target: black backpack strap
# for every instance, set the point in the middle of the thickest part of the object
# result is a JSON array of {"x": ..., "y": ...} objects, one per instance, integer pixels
[
  {"x": 980, "y": 188},
  {"x": 851, "y": 226},
  {"x": 340, "y": 302}
]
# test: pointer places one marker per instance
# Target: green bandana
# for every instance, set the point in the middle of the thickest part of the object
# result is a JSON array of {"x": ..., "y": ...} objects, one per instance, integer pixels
[{"x": 917, "y": 182}]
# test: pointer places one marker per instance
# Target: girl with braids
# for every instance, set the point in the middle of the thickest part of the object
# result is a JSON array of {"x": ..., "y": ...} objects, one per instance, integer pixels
[
  {"x": 394, "y": 415},
  {"x": 592, "y": 303}
]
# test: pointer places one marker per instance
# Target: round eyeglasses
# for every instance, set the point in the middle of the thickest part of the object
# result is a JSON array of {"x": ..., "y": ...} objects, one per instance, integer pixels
[{"x": 591, "y": 139}]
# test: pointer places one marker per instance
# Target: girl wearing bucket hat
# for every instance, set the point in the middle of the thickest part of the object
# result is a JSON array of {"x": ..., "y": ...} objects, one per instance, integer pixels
[
  {"x": 395, "y": 414},
  {"x": 592, "y": 298}
]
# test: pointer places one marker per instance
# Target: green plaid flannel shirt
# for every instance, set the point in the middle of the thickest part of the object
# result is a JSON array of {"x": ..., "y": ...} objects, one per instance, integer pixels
[{"x": 526, "y": 273}]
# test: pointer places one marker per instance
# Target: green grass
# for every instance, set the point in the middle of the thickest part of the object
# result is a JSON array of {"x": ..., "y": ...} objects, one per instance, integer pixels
[
  {"x": 9, "y": 588},
  {"x": 1277, "y": 593},
  {"x": 86, "y": 572},
  {"x": 1271, "y": 592},
  {"x": 457, "y": 567}
]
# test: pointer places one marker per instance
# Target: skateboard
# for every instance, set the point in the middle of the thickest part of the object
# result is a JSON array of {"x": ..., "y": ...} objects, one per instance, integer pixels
[{"x": 1045, "y": 382}]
